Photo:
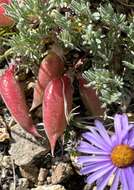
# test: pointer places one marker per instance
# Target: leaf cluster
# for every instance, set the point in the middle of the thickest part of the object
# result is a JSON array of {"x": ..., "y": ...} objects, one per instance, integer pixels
[{"x": 96, "y": 28}]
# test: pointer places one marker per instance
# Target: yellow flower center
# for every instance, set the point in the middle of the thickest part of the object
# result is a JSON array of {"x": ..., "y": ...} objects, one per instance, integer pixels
[{"x": 122, "y": 156}]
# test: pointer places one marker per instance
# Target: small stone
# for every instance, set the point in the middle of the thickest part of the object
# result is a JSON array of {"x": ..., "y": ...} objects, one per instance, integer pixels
[
  {"x": 4, "y": 187},
  {"x": 61, "y": 172},
  {"x": 3, "y": 173},
  {"x": 4, "y": 134},
  {"x": 12, "y": 186},
  {"x": 6, "y": 162},
  {"x": 29, "y": 172},
  {"x": 48, "y": 180},
  {"x": 23, "y": 183},
  {"x": 87, "y": 187},
  {"x": 40, "y": 183},
  {"x": 42, "y": 176},
  {"x": 94, "y": 188},
  {"x": 25, "y": 147},
  {"x": 49, "y": 187},
  {"x": 53, "y": 167}
]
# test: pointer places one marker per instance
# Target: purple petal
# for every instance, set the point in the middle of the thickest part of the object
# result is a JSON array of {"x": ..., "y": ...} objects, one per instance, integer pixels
[
  {"x": 124, "y": 180},
  {"x": 114, "y": 140},
  {"x": 121, "y": 127},
  {"x": 98, "y": 174},
  {"x": 90, "y": 159},
  {"x": 129, "y": 176},
  {"x": 102, "y": 184},
  {"x": 115, "y": 181},
  {"x": 131, "y": 137},
  {"x": 126, "y": 134},
  {"x": 132, "y": 144},
  {"x": 94, "y": 167},
  {"x": 96, "y": 140},
  {"x": 124, "y": 121},
  {"x": 103, "y": 132},
  {"x": 85, "y": 147},
  {"x": 97, "y": 136},
  {"x": 125, "y": 137},
  {"x": 118, "y": 127}
]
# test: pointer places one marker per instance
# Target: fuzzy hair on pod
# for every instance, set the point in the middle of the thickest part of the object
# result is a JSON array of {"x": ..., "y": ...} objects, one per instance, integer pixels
[
  {"x": 57, "y": 95},
  {"x": 14, "y": 99},
  {"x": 50, "y": 68}
]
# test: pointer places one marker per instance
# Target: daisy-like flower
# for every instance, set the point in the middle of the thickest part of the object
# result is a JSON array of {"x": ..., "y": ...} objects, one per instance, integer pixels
[{"x": 108, "y": 155}]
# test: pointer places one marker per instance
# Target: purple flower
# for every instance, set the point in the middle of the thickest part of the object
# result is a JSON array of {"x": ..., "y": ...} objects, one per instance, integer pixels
[{"x": 108, "y": 155}]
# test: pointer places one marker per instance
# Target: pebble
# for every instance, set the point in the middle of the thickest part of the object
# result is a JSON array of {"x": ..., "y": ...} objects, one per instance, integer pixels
[
  {"x": 25, "y": 148},
  {"x": 42, "y": 176},
  {"x": 30, "y": 172},
  {"x": 61, "y": 172}
]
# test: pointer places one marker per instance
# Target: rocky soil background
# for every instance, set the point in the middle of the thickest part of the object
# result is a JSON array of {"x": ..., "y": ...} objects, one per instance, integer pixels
[{"x": 25, "y": 163}]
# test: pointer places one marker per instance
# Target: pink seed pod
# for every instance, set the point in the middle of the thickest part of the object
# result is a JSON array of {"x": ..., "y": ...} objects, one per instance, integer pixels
[
  {"x": 14, "y": 99},
  {"x": 4, "y": 19},
  {"x": 57, "y": 102},
  {"x": 90, "y": 98},
  {"x": 50, "y": 68},
  {"x": 5, "y": 1}
]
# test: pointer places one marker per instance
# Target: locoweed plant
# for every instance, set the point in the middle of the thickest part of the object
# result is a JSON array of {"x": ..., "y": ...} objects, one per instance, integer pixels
[{"x": 101, "y": 33}]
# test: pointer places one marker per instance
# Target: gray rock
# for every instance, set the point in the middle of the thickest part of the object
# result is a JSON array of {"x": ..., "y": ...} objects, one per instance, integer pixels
[
  {"x": 25, "y": 148},
  {"x": 49, "y": 187}
]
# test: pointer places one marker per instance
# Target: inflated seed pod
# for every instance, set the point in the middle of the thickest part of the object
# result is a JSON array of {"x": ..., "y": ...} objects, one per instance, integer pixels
[
  {"x": 57, "y": 103},
  {"x": 50, "y": 68},
  {"x": 4, "y": 19},
  {"x": 14, "y": 99}
]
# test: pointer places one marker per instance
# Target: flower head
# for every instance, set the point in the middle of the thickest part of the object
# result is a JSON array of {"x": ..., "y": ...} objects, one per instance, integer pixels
[{"x": 108, "y": 155}]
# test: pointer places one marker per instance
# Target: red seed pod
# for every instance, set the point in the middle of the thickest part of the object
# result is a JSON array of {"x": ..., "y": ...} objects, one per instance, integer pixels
[
  {"x": 50, "y": 68},
  {"x": 57, "y": 102},
  {"x": 14, "y": 99},
  {"x": 4, "y": 19},
  {"x": 5, "y": 1},
  {"x": 90, "y": 98}
]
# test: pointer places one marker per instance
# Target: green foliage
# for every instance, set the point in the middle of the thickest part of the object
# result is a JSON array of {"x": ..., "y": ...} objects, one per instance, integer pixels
[
  {"x": 96, "y": 28},
  {"x": 107, "y": 84}
]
